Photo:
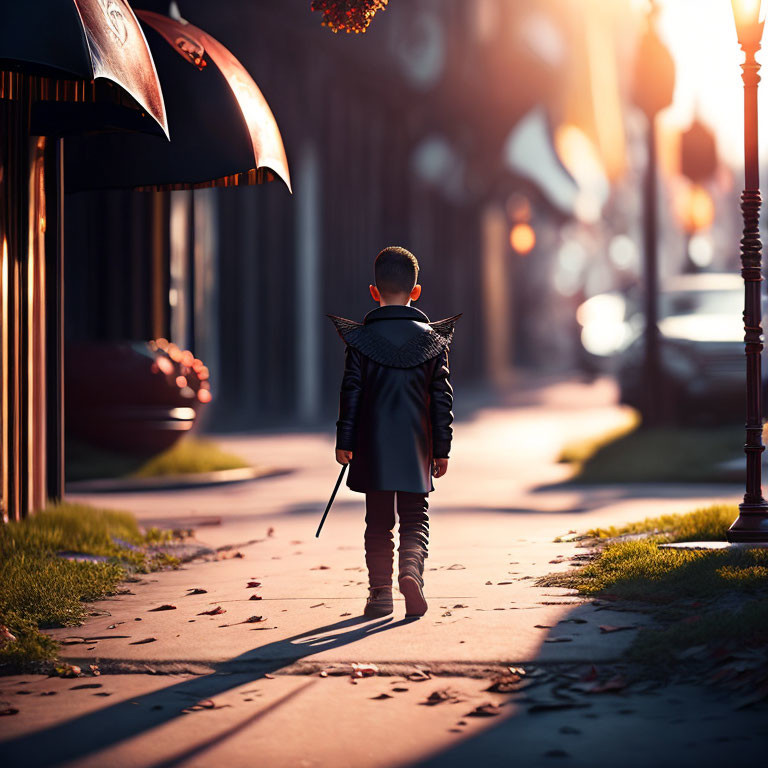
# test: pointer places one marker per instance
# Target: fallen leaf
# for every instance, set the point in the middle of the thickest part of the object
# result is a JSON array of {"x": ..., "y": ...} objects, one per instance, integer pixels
[
  {"x": 400, "y": 689},
  {"x": 608, "y": 628},
  {"x": 485, "y": 710},
  {"x": 144, "y": 641},
  {"x": 213, "y": 612},
  {"x": 196, "y": 591},
  {"x": 504, "y": 683},
  {"x": 542, "y": 626},
  {"x": 67, "y": 670},
  {"x": 459, "y": 605},
  {"x": 253, "y": 620},
  {"x": 439, "y": 696},
  {"x": 318, "y": 605},
  {"x": 166, "y": 607},
  {"x": 456, "y": 567},
  {"x": 364, "y": 670},
  {"x": 270, "y": 531},
  {"x": 572, "y": 621},
  {"x": 616, "y": 683},
  {"x": 8, "y": 711},
  {"x": 345, "y": 614},
  {"x": 558, "y": 639},
  {"x": 48, "y": 693},
  {"x": 419, "y": 676},
  {"x": 253, "y": 584},
  {"x": 502, "y": 583},
  {"x": 381, "y": 697},
  {"x": 255, "y": 597},
  {"x": 85, "y": 686},
  {"x": 321, "y": 568},
  {"x": 488, "y": 583}
]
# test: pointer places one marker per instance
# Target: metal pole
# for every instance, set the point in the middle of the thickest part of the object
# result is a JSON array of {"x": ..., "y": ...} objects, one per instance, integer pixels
[
  {"x": 54, "y": 269},
  {"x": 752, "y": 523},
  {"x": 651, "y": 410}
]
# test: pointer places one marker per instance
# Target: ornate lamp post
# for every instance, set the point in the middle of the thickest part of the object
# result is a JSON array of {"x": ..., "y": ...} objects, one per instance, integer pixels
[{"x": 752, "y": 523}]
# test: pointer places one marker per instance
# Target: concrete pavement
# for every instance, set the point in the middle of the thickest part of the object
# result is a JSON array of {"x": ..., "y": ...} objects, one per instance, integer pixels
[{"x": 493, "y": 521}]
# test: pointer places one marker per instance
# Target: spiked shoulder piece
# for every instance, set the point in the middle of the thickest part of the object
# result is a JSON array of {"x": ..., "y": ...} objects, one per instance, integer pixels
[{"x": 417, "y": 350}]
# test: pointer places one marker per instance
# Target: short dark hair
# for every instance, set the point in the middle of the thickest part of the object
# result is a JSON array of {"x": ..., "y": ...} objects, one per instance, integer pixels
[{"x": 396, "y": 271}]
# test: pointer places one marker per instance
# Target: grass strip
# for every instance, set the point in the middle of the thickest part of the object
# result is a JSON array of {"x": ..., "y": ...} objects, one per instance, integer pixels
[
  {"x": 635, "y": 455},
  {"x": 39, "y": 588}
]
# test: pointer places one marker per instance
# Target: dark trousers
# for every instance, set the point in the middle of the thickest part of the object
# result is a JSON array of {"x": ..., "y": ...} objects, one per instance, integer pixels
[{"x": 379, "y": 541}]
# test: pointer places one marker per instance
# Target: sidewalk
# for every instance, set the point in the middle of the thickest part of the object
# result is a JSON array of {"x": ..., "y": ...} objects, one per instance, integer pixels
[{"x": 244, "y": 686}]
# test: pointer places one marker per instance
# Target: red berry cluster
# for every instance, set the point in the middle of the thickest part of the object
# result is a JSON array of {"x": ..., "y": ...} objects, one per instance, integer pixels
[{"x": 348, "y": 15}]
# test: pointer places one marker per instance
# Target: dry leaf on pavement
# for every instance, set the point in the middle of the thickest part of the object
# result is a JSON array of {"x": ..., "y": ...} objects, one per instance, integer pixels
[
  {"x": 67, "y": 670},
  {"x": 364, "y": 670},
  {"x": 607, "y": 628},
  {"x": 196, "y": 591},
  {"x": 144, "y": 641},
  {"x": 213, "y": 612},
  {"x": 253, "y": 584},
  {"x": 166, "y": 607},
  {"x": 485, "y": 710}
]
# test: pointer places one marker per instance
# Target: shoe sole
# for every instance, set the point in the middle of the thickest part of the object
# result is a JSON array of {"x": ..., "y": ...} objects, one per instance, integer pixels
[
  {"x": 415, "y": 604},
  {"x": 374, "y": 613}
]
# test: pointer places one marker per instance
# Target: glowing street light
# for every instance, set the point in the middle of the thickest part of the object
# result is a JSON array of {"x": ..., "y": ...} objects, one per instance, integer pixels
[{"x": 752, "y": 523}]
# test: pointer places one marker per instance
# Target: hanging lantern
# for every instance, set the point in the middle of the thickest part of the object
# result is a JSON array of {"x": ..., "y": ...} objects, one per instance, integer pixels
[{"x": 348, "y": 15}]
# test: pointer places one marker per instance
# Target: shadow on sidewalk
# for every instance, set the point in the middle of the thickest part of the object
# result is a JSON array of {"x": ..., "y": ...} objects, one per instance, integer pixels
[{"x": 84, "y": 735}]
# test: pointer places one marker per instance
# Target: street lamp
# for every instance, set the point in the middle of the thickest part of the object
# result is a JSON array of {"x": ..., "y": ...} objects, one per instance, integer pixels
[{"x": 752, "y": 522}]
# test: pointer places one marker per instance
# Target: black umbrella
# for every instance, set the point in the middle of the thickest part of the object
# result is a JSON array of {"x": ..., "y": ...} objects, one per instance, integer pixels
[
  {"x": 65, "y": 65},
  {"x": 70, "y": 52},
  {"x": 223, "y": 132}
]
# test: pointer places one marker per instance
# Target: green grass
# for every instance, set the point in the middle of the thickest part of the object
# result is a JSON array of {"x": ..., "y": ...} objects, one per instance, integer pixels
[
  {"x": 699, "y": 597},
  {"x": 639, "y": 570},
  {"x": 706, "y": 524},
  {"x": 187, "y": 456},
  {"x": 39, "y": 589},
  {"x": 634, "y": 455},
  {"x": 746, "y": 627}
]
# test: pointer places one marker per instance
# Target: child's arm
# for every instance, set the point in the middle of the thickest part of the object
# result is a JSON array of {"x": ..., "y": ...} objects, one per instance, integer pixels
[
  {"x": 349, "y": 402},
  {"x": 441, "y": 403}
]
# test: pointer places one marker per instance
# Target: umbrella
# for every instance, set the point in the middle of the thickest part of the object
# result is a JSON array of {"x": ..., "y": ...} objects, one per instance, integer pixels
[
  {"x": 63, "y": 48},
  {"x": 65, "y": 65},
  {"x": 223, "y": 132}
]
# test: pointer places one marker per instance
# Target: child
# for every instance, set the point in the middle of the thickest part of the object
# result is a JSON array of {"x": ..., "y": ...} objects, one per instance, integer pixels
[{"x": 394, "y": 426}]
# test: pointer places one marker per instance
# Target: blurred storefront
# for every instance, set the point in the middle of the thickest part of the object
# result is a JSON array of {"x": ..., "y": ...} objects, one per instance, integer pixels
[{"x": 406, "y": 136}]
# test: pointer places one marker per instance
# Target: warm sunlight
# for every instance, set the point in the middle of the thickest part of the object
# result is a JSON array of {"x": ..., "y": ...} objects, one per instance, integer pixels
[{"x": 701, "y": 36}]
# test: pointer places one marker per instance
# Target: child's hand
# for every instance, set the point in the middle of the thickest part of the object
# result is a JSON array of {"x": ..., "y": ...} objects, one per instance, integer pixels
[
  {"x": 343, "y": 457},
  {"x": 439, "y": 467}
]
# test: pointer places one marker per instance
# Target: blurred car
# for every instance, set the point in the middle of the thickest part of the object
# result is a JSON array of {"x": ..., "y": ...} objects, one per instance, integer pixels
[{"x": 701, "y": 348}]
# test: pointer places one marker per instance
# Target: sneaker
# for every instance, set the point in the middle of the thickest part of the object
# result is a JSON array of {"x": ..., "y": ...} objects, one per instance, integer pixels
[
  {"x": 415, "y": 603},
  {"x": 379, "y": 602}
]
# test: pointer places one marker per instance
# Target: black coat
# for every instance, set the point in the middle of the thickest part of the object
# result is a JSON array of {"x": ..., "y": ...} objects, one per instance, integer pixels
[{"x": 396, "y": 398}]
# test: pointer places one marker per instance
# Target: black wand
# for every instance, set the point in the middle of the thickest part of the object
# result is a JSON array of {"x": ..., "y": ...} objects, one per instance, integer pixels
[{"x": 330, "y": 501}]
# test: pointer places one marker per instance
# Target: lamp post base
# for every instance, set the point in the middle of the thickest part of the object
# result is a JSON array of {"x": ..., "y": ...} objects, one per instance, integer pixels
[{"x": 751, "y": 526}]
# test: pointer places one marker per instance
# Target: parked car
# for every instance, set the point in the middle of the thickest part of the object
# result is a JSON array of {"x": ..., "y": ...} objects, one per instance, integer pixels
[{"x": 701, "y": 348}]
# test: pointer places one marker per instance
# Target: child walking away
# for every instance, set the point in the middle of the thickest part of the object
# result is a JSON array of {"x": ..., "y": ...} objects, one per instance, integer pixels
[{"x": 394, "y": 426}]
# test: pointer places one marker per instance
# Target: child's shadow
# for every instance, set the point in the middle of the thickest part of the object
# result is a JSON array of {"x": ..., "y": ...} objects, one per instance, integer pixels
[{"x": 75, "y": 739}]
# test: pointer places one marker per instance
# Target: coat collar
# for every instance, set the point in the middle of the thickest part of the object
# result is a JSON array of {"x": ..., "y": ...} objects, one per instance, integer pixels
[{"x": 395, "y": 312}]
